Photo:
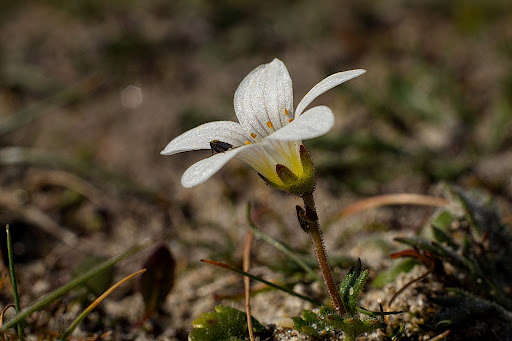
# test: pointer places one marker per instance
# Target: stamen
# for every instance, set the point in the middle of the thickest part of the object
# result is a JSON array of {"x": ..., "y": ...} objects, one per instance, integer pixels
[
  {"x": 286, "y": 111},
  {"x": 290, "y": 120},
  {"x": 253, "y": 135},
  {"x": 247, "y": 142},
  {"x": 269, "y": 124}
]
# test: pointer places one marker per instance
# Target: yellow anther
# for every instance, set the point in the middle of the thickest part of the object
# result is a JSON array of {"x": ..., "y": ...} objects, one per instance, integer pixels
[
  {"x": 286, "y": 111},
  {"x": 269, "y": 124},
  {"x": 247, "y": 142},
  {"x": 253, "y": 135},
  {"x": 290, "y": 120}
]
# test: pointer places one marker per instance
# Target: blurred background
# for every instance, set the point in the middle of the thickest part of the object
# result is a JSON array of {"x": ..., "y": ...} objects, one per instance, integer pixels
[{"x": 80, "y": 169}]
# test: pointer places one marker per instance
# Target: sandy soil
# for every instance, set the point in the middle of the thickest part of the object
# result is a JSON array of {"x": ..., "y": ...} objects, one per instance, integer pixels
[{"x": 81, "y": 174}]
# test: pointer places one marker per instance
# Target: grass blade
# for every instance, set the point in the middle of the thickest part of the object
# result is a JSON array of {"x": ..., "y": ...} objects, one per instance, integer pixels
[
  {"x": 279, "y": 246},
  {"x": 96, "y": 302},
  {"x": 259, "y": 279},
  {"x": 59, "y": 292},
  {"x": 13, "y": 280}
]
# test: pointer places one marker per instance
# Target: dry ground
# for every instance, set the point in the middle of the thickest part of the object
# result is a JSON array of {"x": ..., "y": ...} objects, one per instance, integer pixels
[{"x": 81, "y": 175}]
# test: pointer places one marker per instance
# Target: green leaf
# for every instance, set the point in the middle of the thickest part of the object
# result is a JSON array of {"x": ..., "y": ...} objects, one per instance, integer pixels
[
  {"x": 358, "y": 285},
  {"x": 223, "y": 324},
  {"x": 477, "y": 247},
  {"x": 311, "y": 324},
  {"x": 351, "y": 287},
  {"x": 99, "y": 283},
  {"x": 444, "y": 220},
  {"x": 158, "y": 280},
  {"x": 327, "y": 321},
  {"x": 444, "y": 238},
  {"x": 387, "y": 276}
]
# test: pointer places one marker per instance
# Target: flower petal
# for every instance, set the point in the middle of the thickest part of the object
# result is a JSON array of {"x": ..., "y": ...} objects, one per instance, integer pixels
[
  {"x": 264, "y": 100},
  {"x": 257, "y": 156},
  {"x": 201, "y": 136},
  {"x": 326, "y": 84},
  {"x": 285, "y": 152},
  {"x": 313, "y": 123},
  {"x": 202, "y": 170}
]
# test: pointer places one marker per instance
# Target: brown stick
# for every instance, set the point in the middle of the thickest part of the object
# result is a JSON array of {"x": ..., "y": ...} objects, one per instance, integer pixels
[{"x": 247, "y": 284}]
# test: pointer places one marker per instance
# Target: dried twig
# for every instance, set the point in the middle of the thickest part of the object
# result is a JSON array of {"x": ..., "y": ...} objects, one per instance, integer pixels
[{"x": 247, "y": 281}]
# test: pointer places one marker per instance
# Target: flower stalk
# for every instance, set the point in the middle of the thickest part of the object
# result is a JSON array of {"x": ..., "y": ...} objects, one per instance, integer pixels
[{"x": 309, "y": 222}]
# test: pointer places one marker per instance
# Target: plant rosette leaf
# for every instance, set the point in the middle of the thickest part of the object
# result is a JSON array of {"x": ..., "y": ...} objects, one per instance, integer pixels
[
  {"x": 351, "y": 287},
  {"x": 328, "y": 322},
  {"x": 312, "y": 324},
  {"x": 223, "y": 324}
]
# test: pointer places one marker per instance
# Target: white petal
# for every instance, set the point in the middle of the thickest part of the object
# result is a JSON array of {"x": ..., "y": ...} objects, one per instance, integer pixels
[
  {"x": 285, "y": 153},
  {"x": 262, "y": 97},
  {"x": 202, "y": 170},
  {"x": 313, "y": 123},
  {"x": 326, "y": 84},
  {"x": 258, "y": 158},
  {"x": 201, "y": 136}
]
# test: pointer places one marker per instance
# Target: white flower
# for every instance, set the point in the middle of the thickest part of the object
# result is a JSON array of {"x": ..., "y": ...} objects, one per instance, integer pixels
[{"x": 269, "y": 134}]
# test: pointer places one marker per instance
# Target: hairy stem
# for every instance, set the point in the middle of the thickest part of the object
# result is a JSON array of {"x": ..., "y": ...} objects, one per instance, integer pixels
[{"x": 315, "y": 233}]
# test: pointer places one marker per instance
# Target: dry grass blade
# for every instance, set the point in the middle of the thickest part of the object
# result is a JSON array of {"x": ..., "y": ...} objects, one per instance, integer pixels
[
  {"x": 387, "y": 200},
  {"x": 247, "y": 281},
  {"x": 441, "y": 336},
  {"x": 96, "y": 303},
  {"x": 3, "y": 312},
  {"x": 2, "y": 336},
  {"x": 60, "y": 291}
]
